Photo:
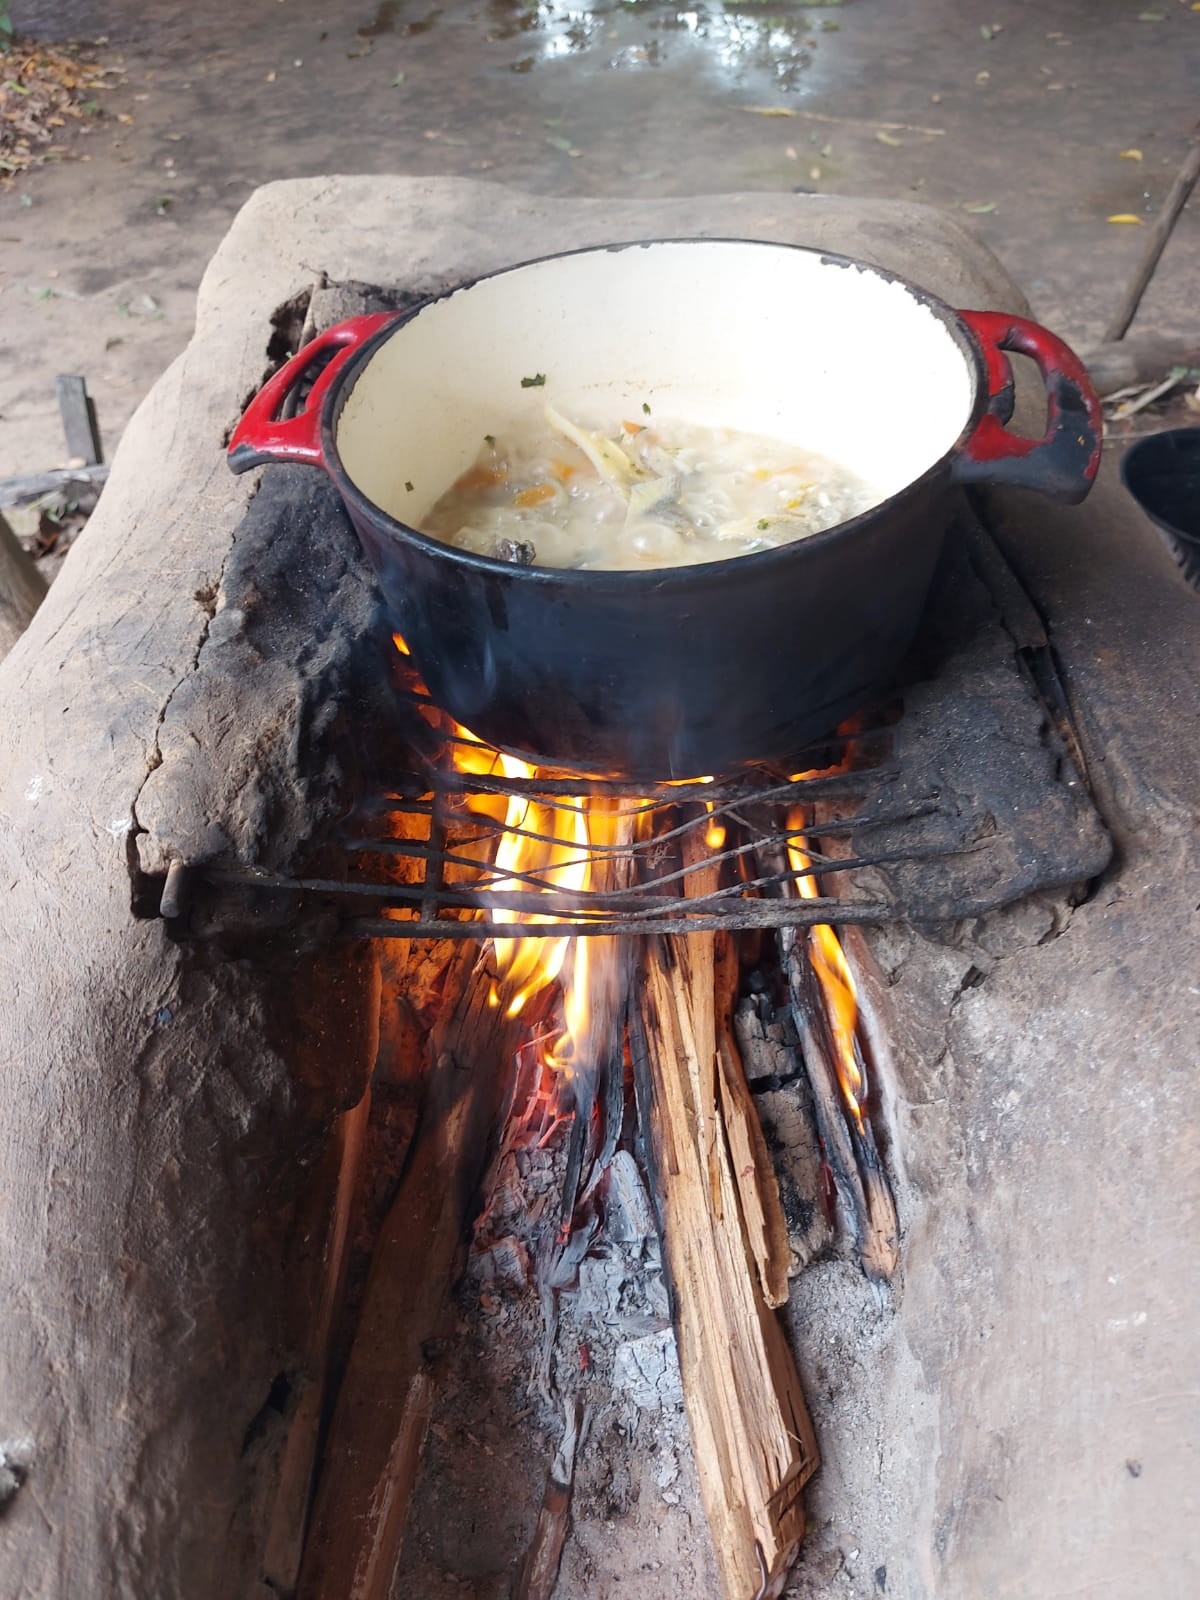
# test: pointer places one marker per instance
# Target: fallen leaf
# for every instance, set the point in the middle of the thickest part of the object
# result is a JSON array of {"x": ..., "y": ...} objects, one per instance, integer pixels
[
  {"x": 885, "y": 137},
  {"x": 557, "y": 142},
  {"x": 982, "y": 77},
  {"x": 397, "y": 80},
  {"x": 815, "y": 174},
  {"x": 980, "y": 208},
  {"x": 770, "y": 111},
  {"x": 1152, "y": 16},
  {"x": 270, "y": 77},
  {"x": 123, "y": 116},
  {"x": 1125, "y": 216},
  {"x": 989, "y": 30},
  {"x": 1131, "y": 155},
  {"x": 792, "y": 153}
]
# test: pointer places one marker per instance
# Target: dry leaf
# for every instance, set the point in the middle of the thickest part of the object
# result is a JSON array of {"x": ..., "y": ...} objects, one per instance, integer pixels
[
  {"x": 770, "y": 111},
  {"x": 982, "y": 77},
  {"x": 1125, "y": 216},
  {"x": 981, "y": 208},
  {"x": 885, "y": 137},
  {"x": 1131, "y": 155}
]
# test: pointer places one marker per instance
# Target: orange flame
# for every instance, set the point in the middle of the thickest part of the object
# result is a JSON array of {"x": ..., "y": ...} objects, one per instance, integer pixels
[{"x": 834, "y": 976}]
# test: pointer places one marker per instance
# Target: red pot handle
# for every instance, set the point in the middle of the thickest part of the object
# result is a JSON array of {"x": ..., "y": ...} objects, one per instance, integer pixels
[
  {"x": 1063, "y": 462},
  {"x": 264, "y": 433}
]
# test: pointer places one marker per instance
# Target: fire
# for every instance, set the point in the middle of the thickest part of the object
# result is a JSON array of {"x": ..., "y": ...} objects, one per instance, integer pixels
[
  {"x": 550, "y": 844},
  {"x": 833, "y": 974}
]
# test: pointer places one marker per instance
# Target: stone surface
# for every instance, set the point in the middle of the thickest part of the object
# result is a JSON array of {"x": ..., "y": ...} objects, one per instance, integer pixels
[{"x": 163, "y": 1116}]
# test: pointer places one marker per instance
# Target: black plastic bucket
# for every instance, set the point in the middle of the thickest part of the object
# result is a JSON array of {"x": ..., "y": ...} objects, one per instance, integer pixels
[{"x": 1162, "y": 473}]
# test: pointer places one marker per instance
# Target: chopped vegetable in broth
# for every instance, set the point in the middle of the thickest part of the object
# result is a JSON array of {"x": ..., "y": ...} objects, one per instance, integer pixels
[{"x": 647, "y": 494}]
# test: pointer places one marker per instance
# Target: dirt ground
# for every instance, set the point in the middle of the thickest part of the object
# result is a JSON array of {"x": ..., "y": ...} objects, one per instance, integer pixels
[{"x": 1014, "y": 115}]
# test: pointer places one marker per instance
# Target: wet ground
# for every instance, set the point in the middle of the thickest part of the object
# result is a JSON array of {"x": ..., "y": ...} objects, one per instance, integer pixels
[{"x": 1014, "y": 114}]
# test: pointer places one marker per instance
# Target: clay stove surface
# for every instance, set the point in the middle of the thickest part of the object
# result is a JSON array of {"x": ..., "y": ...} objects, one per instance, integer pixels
[{"x": 1015, "y": 1416}]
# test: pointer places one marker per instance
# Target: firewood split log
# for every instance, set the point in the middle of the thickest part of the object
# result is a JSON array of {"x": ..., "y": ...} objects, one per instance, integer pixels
[
  {"x": 371, "y": 1459},
  {"x": 724, "y": 1250}
]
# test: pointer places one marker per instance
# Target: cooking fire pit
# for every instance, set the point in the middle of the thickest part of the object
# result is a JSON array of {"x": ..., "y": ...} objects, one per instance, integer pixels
[{"x": 905, "y": 1138}]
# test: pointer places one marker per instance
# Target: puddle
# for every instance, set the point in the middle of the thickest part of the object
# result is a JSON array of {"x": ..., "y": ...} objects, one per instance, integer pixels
[{"x": 737, "y": 43}]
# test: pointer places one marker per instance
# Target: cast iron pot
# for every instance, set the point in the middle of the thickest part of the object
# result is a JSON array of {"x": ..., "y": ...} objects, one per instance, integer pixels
[{"x": 674, "y": 672}]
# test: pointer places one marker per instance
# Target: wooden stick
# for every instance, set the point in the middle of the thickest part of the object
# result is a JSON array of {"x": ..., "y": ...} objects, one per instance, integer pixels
[
  {"x": 862, "y": 1186},
  {"x": 22, "y": 589},
  {"x": 751, "y": 1432},
  {"x": 369, "y": 1466},
  {"x": 78, "y": 413},
  {"x": 754, "y": 1173},
  {"x": 1160, "y": 232},
  {"x": 539, "y": 1573},
  {"x": 31, "y": 486}
]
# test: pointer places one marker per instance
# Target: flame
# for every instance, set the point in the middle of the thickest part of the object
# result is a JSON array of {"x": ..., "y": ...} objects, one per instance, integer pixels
[
  {"x": 834, "y": 976},
  {"x": 559, "y": 846},
  {"x": 527, "y": 966},
  {"x": 714, "y": 834}
]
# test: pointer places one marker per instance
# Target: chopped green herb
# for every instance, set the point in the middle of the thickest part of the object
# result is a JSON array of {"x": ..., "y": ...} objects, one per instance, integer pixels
[
  {"x": 763, "y": 524},
  {"x": 489, "y": 439},
  {"x": 538, "y": 381},
  {"x": 645, "y": 408},
  {"x": 409, "y": 487}
]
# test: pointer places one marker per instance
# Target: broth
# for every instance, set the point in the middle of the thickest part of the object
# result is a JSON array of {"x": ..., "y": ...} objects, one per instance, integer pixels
[{"x": 648, "y": 494}]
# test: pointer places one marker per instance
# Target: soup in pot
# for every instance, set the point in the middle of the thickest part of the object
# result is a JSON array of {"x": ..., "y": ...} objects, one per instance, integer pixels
[{"x": 647, "y": 493}]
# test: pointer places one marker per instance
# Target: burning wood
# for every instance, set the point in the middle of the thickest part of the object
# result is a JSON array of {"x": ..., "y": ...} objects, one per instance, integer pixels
[
  {"x": 824, "y": 1001},
  {"x": 751, "y": 1432},
  {"x": 373, "y": 1451},
  {"x": 558, "y": 1009}
]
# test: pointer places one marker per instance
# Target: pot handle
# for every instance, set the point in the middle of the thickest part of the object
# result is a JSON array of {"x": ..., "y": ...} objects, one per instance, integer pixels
[
  {"x": 1063, "y": 462},
  {"x": 266, "y": 432}
]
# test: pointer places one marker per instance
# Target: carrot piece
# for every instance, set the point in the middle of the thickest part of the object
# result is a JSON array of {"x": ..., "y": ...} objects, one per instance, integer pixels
[{"x": 535, "y": 496}]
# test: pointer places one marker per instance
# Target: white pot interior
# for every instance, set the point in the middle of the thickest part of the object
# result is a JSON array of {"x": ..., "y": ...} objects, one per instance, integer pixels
[{"x": 764, "y": 338}]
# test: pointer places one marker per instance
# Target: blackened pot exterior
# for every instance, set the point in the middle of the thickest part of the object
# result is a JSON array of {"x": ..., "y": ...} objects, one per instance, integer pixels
[{"x": 714, "y": 666}]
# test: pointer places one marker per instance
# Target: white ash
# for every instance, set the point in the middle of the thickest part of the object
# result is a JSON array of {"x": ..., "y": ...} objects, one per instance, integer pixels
[{"x": 647, "y": 1370}]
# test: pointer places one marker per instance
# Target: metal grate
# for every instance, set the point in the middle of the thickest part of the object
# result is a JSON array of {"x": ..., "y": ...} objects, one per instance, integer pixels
[{"x": 421, "y": 859}]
